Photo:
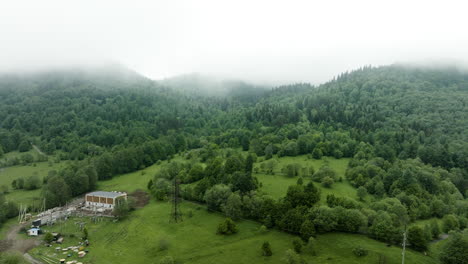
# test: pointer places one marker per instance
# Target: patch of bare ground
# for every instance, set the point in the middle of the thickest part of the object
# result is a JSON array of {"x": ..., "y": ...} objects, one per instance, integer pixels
[
  {"x": 140, "y": 197},
  {"x": 14, "y": 242}
]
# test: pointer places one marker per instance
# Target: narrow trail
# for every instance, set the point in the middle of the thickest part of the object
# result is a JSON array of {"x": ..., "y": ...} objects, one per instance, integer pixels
[
  {"x": 38, "y": 150},
  {"x": 442, "y": 237}
]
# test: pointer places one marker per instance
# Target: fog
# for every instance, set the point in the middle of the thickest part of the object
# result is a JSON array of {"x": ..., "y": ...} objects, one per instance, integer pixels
[{"x": 271, "y": 42}]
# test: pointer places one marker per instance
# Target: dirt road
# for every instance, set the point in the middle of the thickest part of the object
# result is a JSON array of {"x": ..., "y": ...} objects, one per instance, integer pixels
[{"x": 14, "y": 242}]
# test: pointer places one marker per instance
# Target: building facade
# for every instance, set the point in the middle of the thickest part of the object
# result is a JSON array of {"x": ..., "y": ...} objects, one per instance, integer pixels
[{"x": 105, "y": 200}]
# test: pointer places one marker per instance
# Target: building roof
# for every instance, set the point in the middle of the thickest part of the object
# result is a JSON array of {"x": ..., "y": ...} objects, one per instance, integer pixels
[{"x": 106, "y": 194}]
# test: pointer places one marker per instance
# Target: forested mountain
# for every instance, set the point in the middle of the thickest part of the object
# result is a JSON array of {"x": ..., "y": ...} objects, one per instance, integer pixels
[{"x": 405, "y": 130}]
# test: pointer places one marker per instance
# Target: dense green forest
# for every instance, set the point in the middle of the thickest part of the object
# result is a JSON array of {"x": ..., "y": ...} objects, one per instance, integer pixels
[{"x": 405, "y": 130}]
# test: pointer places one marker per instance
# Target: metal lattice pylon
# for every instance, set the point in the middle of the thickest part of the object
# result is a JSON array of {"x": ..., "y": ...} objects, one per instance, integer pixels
[{"x": 176, "y": 215}]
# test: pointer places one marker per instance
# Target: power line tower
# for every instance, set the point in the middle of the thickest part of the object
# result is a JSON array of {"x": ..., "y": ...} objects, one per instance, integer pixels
[{"x": 176, "y": 215}]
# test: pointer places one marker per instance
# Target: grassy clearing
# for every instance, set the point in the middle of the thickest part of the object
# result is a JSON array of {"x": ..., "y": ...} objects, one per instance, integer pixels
[
  {"x": 132, "y": 181},
  {"x": 136, "y": 240},
  {"x": 7, "y": 175},
  {"x": 337, "y": 248},
  {"x": 339, "y": 165},
  {"x": 277, "y": 185}
]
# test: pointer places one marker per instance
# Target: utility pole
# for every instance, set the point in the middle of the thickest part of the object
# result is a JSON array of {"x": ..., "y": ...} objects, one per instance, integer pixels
[
  {"x": 176, "y": 216},
  {"x": 404, "y": 247}
]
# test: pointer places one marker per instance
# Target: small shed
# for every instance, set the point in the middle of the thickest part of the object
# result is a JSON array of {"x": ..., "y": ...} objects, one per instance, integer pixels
[{"x": 34, "y": 231}]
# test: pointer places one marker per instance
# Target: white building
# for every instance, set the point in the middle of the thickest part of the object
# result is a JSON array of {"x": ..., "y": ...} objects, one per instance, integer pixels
[
  {"x": 34, "y": 231},
  {"x": 105, "y": 200}
]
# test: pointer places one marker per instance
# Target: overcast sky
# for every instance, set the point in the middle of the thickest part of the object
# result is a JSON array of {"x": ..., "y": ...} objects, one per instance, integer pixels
[{"x": 262, "y": 41}]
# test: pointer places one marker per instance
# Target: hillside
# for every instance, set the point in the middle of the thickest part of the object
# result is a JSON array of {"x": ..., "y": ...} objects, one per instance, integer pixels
[{"x": 358, "y": 158}]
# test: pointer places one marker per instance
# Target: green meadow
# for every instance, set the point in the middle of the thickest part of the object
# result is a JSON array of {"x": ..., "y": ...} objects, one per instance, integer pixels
[
  {"x": 194, "y": 240},
  {"x": 8, "y": 174},
  {"x": 277, "y": 184},
  {"x": 137, "y": 239}
]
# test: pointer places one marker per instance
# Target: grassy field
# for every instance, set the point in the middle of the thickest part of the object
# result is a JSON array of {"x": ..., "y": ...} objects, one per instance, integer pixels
[
  {"x": 132, "y": 181},
  {"x": 339, "y": 165},
  {"x": 276, "y": 185},
  {"x": 7, "y": 175},
  {"x": 136, "y": 240}
]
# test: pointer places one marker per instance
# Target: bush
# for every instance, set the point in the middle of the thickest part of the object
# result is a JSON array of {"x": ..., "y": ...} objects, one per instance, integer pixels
[
  {"x": 293, "y": 258},
  {"x": 360, "y": 251},
  {"x": 450, "y": 222},
  {"x": 327, "y": 182},
  {"x": 297, "y": 245},
  {"x": 48, "y": 238},
  {"x": 263, "y": 229},
  {"x": 417, "y": 238},
  {"x": 266, "y": 249},
  {"x": 121, "y": 209},
  {"x": 227, "y": 227},
  {"x": 310, "y": 246},
  {"x": 85, "y": 233},
  {"x": 307, "y": 230}
]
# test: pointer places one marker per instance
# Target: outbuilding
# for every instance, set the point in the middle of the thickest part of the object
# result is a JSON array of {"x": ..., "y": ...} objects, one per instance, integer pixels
[{"x": 35, "y": 231}]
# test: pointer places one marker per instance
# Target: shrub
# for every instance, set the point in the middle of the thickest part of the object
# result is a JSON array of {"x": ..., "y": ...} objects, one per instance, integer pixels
[
  {"x": 85, "y": 233},
  {"x": 266, "y": 249},
  {"x": 292, "y": 257},
  {"x": 327, "y": 182},
  {"x": 121, "y": 209},
  {"x": 417, "y": 238},
  {"x": 360, "y": 251},
  {"x": 450, "y": 222},
  {"x": 227, "y": 227},
  {"x": 300, "y": 181},
  {"x": 48, "y": 238},
  {"x": 307, "y": 230},
  {"x": 263, "y": 229},
  {"x": 310, "y": 246},
  {"x": 297, "y": 245}
]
